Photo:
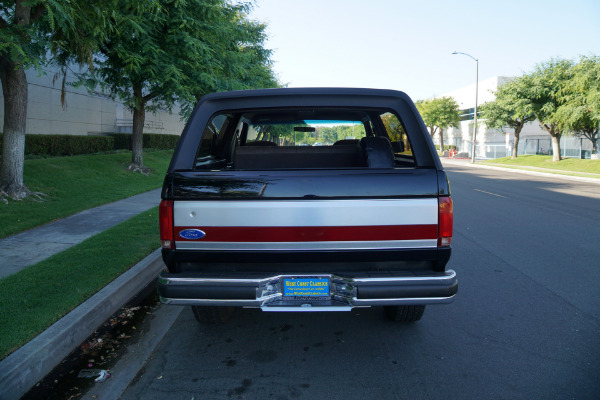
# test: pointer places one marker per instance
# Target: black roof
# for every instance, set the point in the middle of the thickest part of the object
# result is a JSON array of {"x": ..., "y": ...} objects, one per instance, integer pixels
[{"x": 320, "y": 91}]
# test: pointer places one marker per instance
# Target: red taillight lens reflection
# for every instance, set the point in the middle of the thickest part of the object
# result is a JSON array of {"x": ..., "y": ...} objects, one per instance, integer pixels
[
  {"x": 165, "y": 218},
  {"x": 445, "y": 221}
]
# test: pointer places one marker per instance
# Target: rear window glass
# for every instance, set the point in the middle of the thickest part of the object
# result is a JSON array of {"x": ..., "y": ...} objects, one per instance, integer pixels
[
  {"x": 305, "y": 132},
  {"x": 329, "y": 138}
]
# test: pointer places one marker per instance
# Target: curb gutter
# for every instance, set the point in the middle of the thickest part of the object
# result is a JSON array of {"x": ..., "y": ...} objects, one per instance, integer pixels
[
  {"x": 126, "y": 369},
  {"x": 32, "y": 362}
]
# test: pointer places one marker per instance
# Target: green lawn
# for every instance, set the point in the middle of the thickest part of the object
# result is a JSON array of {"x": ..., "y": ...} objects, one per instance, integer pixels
[
  {"x": 73, "y": 184},
  {"x": 570, "y": 166},
  {"x": 38, "y": 296}
]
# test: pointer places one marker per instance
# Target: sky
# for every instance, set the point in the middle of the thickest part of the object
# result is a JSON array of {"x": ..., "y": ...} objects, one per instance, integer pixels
[{"x": 408, "y": 45}]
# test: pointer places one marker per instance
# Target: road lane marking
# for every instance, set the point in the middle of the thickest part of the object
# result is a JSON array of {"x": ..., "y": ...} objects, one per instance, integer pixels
[{"x": 493, "y": 194}]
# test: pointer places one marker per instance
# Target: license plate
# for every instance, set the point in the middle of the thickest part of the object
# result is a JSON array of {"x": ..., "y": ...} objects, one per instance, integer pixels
[{"x": 306, "y": 287}]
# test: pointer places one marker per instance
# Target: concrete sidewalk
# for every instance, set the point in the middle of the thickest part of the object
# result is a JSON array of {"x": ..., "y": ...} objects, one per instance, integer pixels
[{"x": 27, "y": 248}]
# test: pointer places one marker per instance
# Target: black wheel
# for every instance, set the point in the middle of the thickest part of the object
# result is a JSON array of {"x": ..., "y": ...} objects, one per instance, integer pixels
[
  {"x": 404, "y": 313},
  {"x": 212, "y": 315}
]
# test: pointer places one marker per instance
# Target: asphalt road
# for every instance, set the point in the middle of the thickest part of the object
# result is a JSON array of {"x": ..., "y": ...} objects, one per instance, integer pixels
[{"x": 525, "y": 324}]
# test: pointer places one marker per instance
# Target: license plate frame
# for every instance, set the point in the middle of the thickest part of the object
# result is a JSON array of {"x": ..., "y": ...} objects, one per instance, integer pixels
[{"x": 306, "y": 287}]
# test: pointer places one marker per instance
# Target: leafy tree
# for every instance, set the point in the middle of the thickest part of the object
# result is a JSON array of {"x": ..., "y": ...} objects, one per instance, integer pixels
[
  {"x": 244, "y": 62},
  {"x": 511, "y": 109},
  {"x": 438, "y": 114},
  {"x": 166, "y": 52},
  {"x": 29, "y": 30},
  {"x": 580, "y": 111},
  {"x": 544, "y": 87}
]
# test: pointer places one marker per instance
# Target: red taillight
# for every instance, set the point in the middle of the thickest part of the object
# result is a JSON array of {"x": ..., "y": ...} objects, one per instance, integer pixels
[
  {"x": 165, "y": 218},
  {"x": 445, "y": 221}
]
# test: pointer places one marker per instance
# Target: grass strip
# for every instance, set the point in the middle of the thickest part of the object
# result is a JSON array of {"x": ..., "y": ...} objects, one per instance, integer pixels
[
  {"x": 570, "y": 166},
  {"x": 73, "y": 184},
  {"x": 40, "y": 295}
]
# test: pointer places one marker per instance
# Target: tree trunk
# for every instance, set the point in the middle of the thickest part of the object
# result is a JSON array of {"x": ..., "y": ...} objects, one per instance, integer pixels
[
  {"x": 14, "y": 89},
  {"x": 556, "y": 147},
  {"x": 515, "y": 149},
  {"x": 592, "y": 136},
  {"x": 551, "y": 129},
  {"x": 137, "y": 133},
  {"x": 137, "y": 136},
  {"x": 442, "y": 140}
]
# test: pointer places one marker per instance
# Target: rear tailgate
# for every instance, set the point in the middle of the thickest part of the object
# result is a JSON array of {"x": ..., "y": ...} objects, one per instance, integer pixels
[
  {"x": 332, "y": 225},
  {"x": 307, "y": 216}
]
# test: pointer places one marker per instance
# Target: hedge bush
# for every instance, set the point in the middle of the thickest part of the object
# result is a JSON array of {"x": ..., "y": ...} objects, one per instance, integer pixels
[
  {"x": 66, "y": 145},
  {"x": 151, "y": 141},
  {"x": 70, "y": 145}
]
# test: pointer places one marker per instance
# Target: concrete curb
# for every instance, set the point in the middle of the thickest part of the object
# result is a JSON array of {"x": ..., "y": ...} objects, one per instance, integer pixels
[
  {"x": 522, "y": 171},
  {"x": 29, "y": 364}
]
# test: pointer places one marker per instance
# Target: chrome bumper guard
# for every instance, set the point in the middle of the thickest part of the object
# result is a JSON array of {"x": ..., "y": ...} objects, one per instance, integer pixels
[{"x": 345, "y": 293}]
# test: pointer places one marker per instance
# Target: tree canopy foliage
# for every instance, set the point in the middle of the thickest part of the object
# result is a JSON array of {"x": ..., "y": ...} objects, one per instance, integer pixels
[
  {"x": 511, "y": 108},
  {"x": 438, "y": 114},
  {"x": 579, "y": 111},
  {"x": 543, "y": 88}
]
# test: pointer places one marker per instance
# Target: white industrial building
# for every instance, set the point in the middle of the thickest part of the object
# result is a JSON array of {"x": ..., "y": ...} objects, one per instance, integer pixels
[
  {"x": 493, "y": 143},
  {"x": 84, "y": 113}
]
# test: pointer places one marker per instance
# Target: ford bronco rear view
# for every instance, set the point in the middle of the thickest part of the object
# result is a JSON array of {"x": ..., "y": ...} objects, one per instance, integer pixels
[{"x": 306, "y": 199}]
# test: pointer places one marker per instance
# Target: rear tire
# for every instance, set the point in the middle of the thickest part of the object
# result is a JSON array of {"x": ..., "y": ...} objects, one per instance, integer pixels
[
  {"x": 210, "y": 315},
  {"x": 404, "y": 313}
]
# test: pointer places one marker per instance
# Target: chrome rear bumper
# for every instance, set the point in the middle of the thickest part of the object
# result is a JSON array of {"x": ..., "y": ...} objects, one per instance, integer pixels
[{"x": 345, "y": 292}]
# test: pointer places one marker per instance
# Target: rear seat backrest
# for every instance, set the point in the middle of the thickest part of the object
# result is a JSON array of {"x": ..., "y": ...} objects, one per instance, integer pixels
[
  {"x": 377, "y": 151},
  {"x": 296, "y": 157}
]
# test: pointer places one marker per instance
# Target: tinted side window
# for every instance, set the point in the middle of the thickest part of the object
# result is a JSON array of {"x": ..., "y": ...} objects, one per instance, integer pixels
[
  {"x": 397, "y": 134},
  {"x": 208, "y": 150}
]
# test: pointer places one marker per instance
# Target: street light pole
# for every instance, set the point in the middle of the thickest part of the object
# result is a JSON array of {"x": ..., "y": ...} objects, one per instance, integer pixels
[{"x": 476, "y": 98}]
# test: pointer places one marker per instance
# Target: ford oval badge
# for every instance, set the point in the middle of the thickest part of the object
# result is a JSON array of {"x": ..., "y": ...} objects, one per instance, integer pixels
[{"x": 192, "y": 234}]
